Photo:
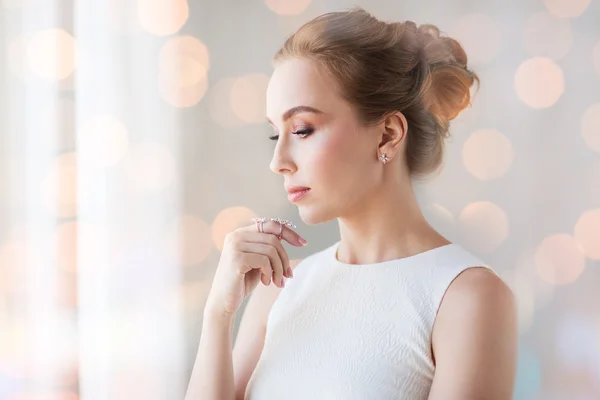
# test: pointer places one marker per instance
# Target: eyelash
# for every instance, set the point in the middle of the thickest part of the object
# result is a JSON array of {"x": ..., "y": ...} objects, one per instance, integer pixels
[{"x": 303, "y": 133}]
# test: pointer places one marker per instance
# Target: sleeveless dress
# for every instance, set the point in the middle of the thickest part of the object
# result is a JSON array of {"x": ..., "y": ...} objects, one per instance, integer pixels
[{"x": 356, "y": 332}]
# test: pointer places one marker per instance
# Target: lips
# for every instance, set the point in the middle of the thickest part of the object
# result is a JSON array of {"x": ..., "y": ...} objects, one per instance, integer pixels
[
  {"x": 296, "y": 193},
  {"x": 295, "y": 189}
]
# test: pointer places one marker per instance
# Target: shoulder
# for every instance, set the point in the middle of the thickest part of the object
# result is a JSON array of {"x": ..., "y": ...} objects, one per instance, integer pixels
[
  {"x": 477, "y": 291},
  {"x": 482, "y": 285},
  {"x": 475, "y": 338},
  {"x": 477, "y": 302}
]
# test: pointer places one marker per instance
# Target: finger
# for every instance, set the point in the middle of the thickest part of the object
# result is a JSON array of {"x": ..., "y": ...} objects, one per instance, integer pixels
[
  {"x": 269, "y": 251},
  {"x": 266, "y": 238},
  {"x": 273, "y": 227},
  {"x": 261, "y": 263}
]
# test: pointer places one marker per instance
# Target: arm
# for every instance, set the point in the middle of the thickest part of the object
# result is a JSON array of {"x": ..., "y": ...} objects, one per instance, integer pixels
[
  {"x": 212, "y": 375},
  {"x": 250, "y": 339},
  {"x": 220, "y": 372},
  {"x": 475, "y": 339}
]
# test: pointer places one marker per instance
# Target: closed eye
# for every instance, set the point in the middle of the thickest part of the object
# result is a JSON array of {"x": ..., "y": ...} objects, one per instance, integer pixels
[{"x": 302, "y": 133}]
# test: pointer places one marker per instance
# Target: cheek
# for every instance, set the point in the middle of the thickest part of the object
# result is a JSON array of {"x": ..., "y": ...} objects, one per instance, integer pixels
[{"x": 332, "y": 158}]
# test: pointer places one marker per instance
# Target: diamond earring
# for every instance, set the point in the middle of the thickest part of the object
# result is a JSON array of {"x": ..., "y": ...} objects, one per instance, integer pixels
[{"x": 384, "y": 158}]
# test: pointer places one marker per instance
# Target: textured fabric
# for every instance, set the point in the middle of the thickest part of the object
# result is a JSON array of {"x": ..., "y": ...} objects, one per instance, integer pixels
[{"x": 356, "y": 332}]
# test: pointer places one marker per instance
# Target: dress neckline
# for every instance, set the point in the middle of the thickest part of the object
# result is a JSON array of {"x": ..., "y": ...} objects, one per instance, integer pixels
[{"x": 404, "y": 260}]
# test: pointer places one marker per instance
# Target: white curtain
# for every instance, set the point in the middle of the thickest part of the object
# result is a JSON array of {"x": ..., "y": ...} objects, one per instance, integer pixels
[{"x": 91, "y": 199}]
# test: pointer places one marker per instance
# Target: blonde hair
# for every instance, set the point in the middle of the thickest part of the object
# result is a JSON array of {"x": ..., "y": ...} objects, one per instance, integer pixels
[{"x": 382, "y": 67}]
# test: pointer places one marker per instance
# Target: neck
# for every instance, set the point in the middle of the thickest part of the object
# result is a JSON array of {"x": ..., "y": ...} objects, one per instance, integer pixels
[{"x": 388, "y": 225}]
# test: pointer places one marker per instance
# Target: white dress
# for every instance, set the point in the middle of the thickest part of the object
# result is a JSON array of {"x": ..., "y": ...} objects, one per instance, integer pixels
[{"x": 356, "y": 332}]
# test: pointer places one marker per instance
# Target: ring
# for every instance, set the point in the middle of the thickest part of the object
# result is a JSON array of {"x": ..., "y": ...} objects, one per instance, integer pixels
[
  {"x": 258, "y": 221},
  {"x": 259, "y": 224},
  {"x": 283, "y": 222}
]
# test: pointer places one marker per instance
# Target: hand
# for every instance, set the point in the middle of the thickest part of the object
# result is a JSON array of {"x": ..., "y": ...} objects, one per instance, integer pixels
[{"x": 247, "y": 257}]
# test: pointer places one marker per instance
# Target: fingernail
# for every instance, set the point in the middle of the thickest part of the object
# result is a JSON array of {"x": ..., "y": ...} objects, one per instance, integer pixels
[
  {"x": 302, "y": 241},
  {"x": 290, "y": 272}
]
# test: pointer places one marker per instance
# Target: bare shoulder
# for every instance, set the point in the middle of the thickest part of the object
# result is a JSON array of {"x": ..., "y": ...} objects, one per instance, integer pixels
[
  {"x": 475, "y": 338},
  {"x": 479, "y": 286},
  {"x": 478, "y": 296}
]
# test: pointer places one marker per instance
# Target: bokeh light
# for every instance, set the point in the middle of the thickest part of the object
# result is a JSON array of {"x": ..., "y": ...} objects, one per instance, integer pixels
[
  {"x": 484, "y": 226},
  {"x": 596, "y": 57},
  {"x": 184, "y": 72},
  {"x": 248, "y": 97},
  {"x": 220, "y": 105},
  {"x": 287, "y": 7},
  {"x": 539, "y": 82},
  {"x": 184, "y": 62},
  {"x": 190, "y": 240},
  {"x": 590, "y": 127},
  {"x": 162, "y": 17},
  {"x": 587, "y": 233},
  {"x": 150, "y": 167},
  {"x": 487, "y": 154},
  {"x": 479, "y": 35},
  {"x": 107, "y": 140},
  {"x": 546, "y": 35},
  {"x": 559, "y": 259},
  {"x": 181, "y": 96},
  {"x": 567, "y": 8},
  {"x": 59, "y": 187},
  {"x": 51, "y": 54},
  {"x": 229, "y": 220}
]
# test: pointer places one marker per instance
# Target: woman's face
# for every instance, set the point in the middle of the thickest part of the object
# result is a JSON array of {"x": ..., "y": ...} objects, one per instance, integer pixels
[{"x": 331, "y": 153}]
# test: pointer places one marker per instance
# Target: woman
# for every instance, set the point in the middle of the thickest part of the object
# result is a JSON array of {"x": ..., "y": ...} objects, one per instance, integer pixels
[{"x": 359, "y": 107}]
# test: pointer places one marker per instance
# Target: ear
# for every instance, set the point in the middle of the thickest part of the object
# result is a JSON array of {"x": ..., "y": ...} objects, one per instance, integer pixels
[{"x": 394, "y": 128}]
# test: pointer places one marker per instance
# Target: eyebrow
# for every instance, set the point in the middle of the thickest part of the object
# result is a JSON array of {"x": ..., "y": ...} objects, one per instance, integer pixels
[{"x": 296, "y": 110}]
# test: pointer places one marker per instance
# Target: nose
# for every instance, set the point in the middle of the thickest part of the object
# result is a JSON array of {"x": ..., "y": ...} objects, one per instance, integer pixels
[{"x": 282, "y": 163}]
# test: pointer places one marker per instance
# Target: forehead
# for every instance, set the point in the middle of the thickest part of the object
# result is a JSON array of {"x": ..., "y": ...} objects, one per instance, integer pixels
[{"x": 298, "y": 82}]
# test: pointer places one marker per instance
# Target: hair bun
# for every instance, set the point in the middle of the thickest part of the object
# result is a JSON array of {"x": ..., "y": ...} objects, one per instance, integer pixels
[{"x": 447, "y": 88}]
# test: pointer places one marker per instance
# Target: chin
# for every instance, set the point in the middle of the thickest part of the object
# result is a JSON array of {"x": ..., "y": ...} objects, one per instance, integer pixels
[{"x": 313, "y": 215}]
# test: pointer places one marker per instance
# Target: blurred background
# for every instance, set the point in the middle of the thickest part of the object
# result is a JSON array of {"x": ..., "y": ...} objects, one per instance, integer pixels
[{"x": 133, "y": 138}]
